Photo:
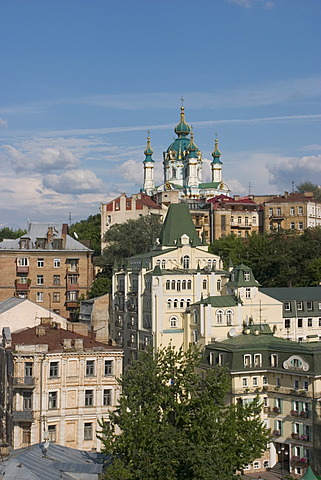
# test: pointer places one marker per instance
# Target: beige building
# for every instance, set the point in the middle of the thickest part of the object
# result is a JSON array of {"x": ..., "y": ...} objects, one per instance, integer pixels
[
  {"x": 285, "y": 377},
  {"x": 291, "y": 211},
  {"x": 46, "y": 266},
  {"x": 62, "y": 384}
]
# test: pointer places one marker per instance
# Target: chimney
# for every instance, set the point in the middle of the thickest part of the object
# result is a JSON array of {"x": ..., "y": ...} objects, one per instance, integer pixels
[
  {"x": 64, "y": 232},
  {"x": 79, "y": 344},
  {"x": 40, "y": 330},
  {"x": 50, "y": 234},
  {"x": 286, "y": 194},
  {"x": 67, "y": 344}
]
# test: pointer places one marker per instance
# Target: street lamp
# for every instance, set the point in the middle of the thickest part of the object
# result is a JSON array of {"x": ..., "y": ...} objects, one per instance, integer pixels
[{"x": 283, "y": 454}]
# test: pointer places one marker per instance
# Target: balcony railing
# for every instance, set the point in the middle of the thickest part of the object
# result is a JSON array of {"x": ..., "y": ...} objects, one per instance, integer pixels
[
  {"x": 23, "y": 416},
  {"x": 22, "y": 286},
  {"x": 72, "y": 286},
  {"x": 24, "y": 269},
  {"x": 71, "y": 303},
  {"x": 24, "y": 382}
]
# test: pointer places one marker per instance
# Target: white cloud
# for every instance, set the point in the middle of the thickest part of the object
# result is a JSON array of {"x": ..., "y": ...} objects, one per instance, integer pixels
[
  {"x": 73, "y": 182},
  {"x": 3, "y": 122},
  {"x": 252, "y": 3},
  {"x": 133, "y": 171},
  {"x": 285, "y": 170}
]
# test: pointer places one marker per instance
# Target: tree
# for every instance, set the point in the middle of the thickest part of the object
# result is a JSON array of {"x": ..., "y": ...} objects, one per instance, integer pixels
[
  {"x": 7, "y": 232},
  {"x": 88, "y": 229},
  {"x": 310, "y": 187},
  {"x": 100, "y": 286},
  {"x": 173, "y": 424},
  {"x": 130, "y": 238}
]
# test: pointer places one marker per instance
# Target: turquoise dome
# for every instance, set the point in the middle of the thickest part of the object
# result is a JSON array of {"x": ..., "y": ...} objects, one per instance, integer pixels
[{"x": 182, "y": 129}]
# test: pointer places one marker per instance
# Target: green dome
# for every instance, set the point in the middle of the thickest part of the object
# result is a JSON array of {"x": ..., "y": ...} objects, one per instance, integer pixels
[
  {"x": 216, "y": 153},
  {"x": 148, "y": 151},
  {"x": 179, "y": 145},
  {"x": 182, "y": 129},
  {"x": 192, "y": 148}
]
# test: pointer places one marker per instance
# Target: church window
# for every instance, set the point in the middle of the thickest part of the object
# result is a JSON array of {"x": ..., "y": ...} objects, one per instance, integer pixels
[
  {"x": 173, "y": 284},
  {"x": 178, "y": 285},
  {"x": 169, "y": 303},
  {"x": 158, "y": 263},
  {"x": 168, "y": 284},
  {"x": 204, "y": 284},
  {"x": 188, "y": 302},
  {"x": 186, "y": 261},
  {"x": 163, "y": 263},
  {"x": 195, "y": 336},
  {"x": 173, "y": 322},
  {"x": 229, "y": 317},
  {"x": 175, "y": 303},
  {"x": 184, "y": 285},
  {"x": 219, "y": 316},
  {"x": 189, "y": 284},
  {"x": 195, "y": 316},
  {"x": 219, "y": 285},
  {"x": 209, "y": 263},
  {"x": 181, "y": 303}
]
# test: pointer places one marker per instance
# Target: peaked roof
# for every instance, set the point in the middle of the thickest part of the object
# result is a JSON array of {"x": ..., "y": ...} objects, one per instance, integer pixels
[
  {"x": 309, "y": 475},
  {"x": 178, "y": 222},
  {"x": 237, "y": 277}
]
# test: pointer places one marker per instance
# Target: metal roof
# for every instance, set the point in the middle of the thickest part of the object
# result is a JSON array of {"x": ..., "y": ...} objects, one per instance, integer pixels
[
  {"x": 57, "y": 463},
  {"x": 293, "y": 293},
  {"x": 9, "y": 303}
]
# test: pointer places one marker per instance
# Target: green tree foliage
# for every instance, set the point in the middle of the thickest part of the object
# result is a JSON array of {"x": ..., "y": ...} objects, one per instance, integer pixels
[
  {"x": 7, "y": 232},
  {"x": 173, "y": 424},
  {"x": 310, "y": 187},
  {"x": 100, "y": 286},
  {"x": 88, "y": 230},
  {"x": 279, "y": 259},
  {"x": 130, "y": 238}
]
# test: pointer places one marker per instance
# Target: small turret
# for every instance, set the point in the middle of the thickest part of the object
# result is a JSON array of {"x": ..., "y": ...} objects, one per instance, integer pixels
[
  {"x": 149, "y": 185},
  {"x": 216, "y": 163}
]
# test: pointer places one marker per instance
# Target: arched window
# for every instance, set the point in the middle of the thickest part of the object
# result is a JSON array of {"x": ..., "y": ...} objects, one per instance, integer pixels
[
  {"x": 219, "y": 316},
  {"x": 178, "y": 285},
  {"x": 181, "y": 303},
  {"x": 186, "y": 260},
  {"x": 169, "y": 303},
  {"x": 168, "y": 284},
  {"x": 175, "y": 303},
  {"x": 214, "y": 263},
  {"x": 184, "y": 285},
  {"x": 158, "y": 262},
  {"x": 195, "y": 316},
  {"x": 163, "y": 263},
  {"x": 229, "y": 317},
  {"x": 188, "y": 302},
  {"x": 209, "y": 263},
  {"x": 173, "y": 284},
  {"x": 195, "y": 336},
  {"x": 219, "y": 285},
  {"x": 204, "y": 284},
  {"x": 173, "y": 322},
  {"x": 173, "y": 173},
  {"x": 189, "y": 284}
]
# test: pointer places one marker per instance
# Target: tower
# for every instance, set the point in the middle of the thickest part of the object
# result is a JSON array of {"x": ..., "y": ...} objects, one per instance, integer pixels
[
  {"x": 216, "y": 164},
  {"x": 149, "y": 185}
]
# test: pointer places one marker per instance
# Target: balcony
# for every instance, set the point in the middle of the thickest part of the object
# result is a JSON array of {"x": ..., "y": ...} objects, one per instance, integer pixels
[
  {"x": 20, "y": 269},
  {"x": 24, "y": 382},
  {"x": 22, "y": 286},
  {"x": 276, "y": 433},
  {"x": 71, "y": 303},
  {"x": 72, "y": 269},
  {"x": 72, "y": 286},
  {"x": 23, "y": 416}
]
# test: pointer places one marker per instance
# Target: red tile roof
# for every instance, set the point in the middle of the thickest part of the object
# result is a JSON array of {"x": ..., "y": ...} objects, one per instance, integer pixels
[
  {"x": 292, "y": 197},
  {"x": 147, "y": 201}
]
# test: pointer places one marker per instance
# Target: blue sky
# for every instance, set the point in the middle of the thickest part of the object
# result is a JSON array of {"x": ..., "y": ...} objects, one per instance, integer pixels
[{"x": 83, "y": 80}]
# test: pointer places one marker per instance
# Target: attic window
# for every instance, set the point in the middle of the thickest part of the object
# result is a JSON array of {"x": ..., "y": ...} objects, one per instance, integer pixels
[{"x": 247, "y": 276}]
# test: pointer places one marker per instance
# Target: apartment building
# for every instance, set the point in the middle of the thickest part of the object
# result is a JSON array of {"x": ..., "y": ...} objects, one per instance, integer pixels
[
  {"x": 47, "y": 266},
  {"x": 286, "y": 378},
  {"x": 57, "y": 384}
]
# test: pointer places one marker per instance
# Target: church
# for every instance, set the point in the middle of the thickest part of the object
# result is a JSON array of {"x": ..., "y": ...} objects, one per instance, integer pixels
[{"x": 183, "y": 167}]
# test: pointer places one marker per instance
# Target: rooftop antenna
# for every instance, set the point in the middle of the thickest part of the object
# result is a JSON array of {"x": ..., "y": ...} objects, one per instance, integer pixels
[
  {"x": 292, "y": 186},
  {"x": 69, "y": 218},
  {"x": 182, "y": 100},
  {"x": 250, "y": 186}
]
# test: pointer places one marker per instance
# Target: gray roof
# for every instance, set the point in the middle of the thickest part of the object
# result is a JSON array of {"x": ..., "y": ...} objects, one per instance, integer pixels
[
  {"x": 10, "y": 302},
  {"x": 293, "y": 293},
  {"x": 56, "y": 464}
]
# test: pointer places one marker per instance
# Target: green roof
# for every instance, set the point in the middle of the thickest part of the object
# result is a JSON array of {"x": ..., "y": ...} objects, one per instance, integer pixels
[
  {"x": 210, "y": 185},
  {"x": 309, "y": 475},
  {"x": 178, "y": 222},
  {"x": 220, "y": 301},
  {"x": 237, "y": 277},
  {"x": 293, "y": 293}
]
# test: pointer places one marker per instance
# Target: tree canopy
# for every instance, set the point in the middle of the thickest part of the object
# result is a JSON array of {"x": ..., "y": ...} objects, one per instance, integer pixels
[
  {"x": 310, "y": 187},
  {"x": 173, "y": 424},
  {"x": 7, "y": 232},
  {"x": 130, "y": 238},
  {"x": 88, "y": 229},
  {"x": 278, "y": 259}
]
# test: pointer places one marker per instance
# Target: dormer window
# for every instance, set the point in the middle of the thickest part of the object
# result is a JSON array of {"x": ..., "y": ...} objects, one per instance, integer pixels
[
  {"x": 247, "y": 361},
  {"x": 23, "y": 243},
  {"x": 40, "y": 242},
  {"x": 247, "y": 276}
]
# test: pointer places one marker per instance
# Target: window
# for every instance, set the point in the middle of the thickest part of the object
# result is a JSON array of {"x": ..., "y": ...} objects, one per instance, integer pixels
[
  {"x": 40, "y": 262},
  {"x": 173, "y": 284},
  {"x": 107, "y": 397},
  {"x": 178, "y": 285},
  {"x": 239, "y": 220},
  {"x": 72, "y": 296},
  {"x": 168, "y": 285},
  {"x": 219, "y": 316},
  {"x": 270, "y": 212},
  {"x": 52, "y": 430},
  {"x": 56, "y": 311},
  {"x": 169, "y": 303},
  {"x": 246, "y": 220},
  {"x": 256, "y": 465},
  {"x": 52, "y": 400},
  {"x": 299, "y": 305},
  {"x": 291, "y": 210},
  {"x": 53, "y": 369},
  {"x": 186, "y": 261},
  {"x": 310, "y": 305},
  {"x": 56, "y": 263},
  {"x": 26, "y": 435},
  {"x": 310, "y": 322},
  {"x": 255, "y": 381},
  {"x": 278, "y": 211},
  {"x": 300, "y": 322},
  {"x": 258, "y": 360},
  {"x": 89, "y": 398},
  {"x": 39, "y": 297},
  {"x": 292, "y": 225},
  {"x": 188, "y": 302},
  {"x": 88, "y": 431},
  {"x": 218, "y": 285},
  {"x": 90, "y": 368},
  {"x": 28, "y": 369},
  {"x": 266, "y": 464},
  {"x": 72, "y": 279},
  {"x": 163, "y": 264},
  {"x": 265, "y": 381},
  {"x": 247, "y": 361},
  {"x": 296, "y": 384},
  {"x": 181, "y": 303},
  {"x": 229, "y": 317},
  {"x": 195, "y": 336},
  {"x": 319, "y": 305},
  {"x": 287, "y": 306},
  {"x": 56, "y": 297},
  {"x": 300, "y": 210},
  {"x": 175, "y": 303},
  {"x": 287, "y": 323},
  {"x": 274, "y": 360},
  {"x": 306, "y": 385},
  {"x": 247, "y": 293},
  {"x": 189, "y": 284},
  {"x": 278, "y": 382},
  {"x": 245, "y": 382},
  {"x": 23, "y": 262},
  {"x": 56, "y": 279},
  {"x": 204, "y": 284},
  {"x": 247, "y": 276},
  {"x": 27, "y": 400},
  {"x": 184, "y": 285},
  {"x": 300, "y": 226},
  {"x": 108, "y": 367},
  {"x": 40, "y": 280},
  {"x": 173, "y": 322}
]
